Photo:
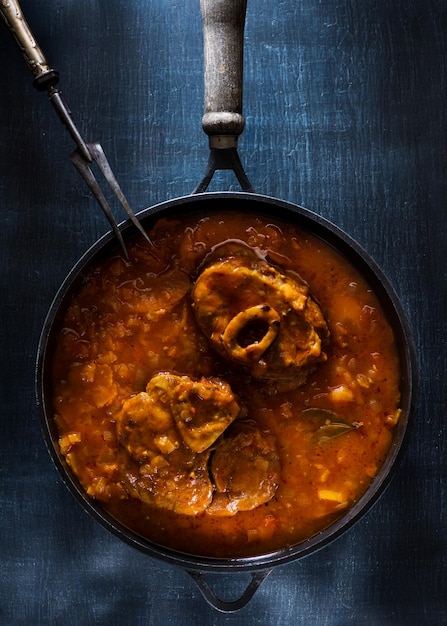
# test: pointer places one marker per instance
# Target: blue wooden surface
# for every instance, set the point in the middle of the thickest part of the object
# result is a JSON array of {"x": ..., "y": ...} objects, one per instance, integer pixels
[{"x": 345, "y": 104}]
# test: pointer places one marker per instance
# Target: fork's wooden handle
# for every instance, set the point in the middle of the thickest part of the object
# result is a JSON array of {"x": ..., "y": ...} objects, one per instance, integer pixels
[
  {"x": 33, "y": 55},
  {"x": 223, "y": 38}
]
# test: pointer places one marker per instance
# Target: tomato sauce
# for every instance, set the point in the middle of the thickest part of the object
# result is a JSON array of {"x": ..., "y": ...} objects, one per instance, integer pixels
[{"x": 132, "y": 319}]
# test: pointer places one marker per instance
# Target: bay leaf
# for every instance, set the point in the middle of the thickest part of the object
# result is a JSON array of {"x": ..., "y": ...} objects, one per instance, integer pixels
[{"x": 330, "y": 425}]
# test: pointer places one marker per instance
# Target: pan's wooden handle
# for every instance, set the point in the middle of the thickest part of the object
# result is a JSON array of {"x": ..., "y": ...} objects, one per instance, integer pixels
[
  {"x": 223, "y": 38},
  {"x": 33, "y": 55}
]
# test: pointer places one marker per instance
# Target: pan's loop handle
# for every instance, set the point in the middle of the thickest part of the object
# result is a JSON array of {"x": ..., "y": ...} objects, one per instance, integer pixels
[
  {"x": 257, "y": 578},
  {"x": 223, "y": 39},
  {"x": 33, "y": 55}
]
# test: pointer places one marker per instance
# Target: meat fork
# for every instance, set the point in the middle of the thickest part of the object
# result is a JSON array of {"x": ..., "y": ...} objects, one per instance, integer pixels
[{"x": 85, "y": 154}]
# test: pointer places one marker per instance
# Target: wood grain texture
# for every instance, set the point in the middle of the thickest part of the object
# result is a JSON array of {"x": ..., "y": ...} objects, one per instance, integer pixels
[{"x": 345, "y": 114}]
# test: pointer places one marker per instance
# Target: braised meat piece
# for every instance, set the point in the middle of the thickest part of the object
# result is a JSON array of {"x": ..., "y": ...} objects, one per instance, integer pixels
[
  {"x": 176, "y": 482},
  {"x": 203, "y": 410},
  {"x": 245, "y": 469},
  {"x": 166, "y": 432},
  {"x": 145, "y": 425},
  {"x": 259, "y": 318}
]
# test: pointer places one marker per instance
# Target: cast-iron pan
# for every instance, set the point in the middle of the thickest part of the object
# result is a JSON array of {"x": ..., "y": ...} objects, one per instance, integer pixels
[{"x": 223, "y": 23}]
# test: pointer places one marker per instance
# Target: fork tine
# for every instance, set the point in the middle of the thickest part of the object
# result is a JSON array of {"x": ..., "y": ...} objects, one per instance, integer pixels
[
  {"x": 83, "y": 156},
  {"x": 85, "y": 171},
  {"x": 100, "y": 158}
]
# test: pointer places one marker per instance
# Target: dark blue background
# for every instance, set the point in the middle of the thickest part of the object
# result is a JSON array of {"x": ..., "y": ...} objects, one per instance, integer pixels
[{"x": 345, "y": 104}]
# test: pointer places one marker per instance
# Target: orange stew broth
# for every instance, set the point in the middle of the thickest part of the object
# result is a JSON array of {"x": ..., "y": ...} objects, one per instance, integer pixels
[{"x": 132, "y": 319}]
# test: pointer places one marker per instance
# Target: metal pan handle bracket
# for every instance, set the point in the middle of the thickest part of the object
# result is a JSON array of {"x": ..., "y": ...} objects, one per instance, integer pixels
[
  {"x": 257, "y": 578},
  {"x": 223, "y": 39}
]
